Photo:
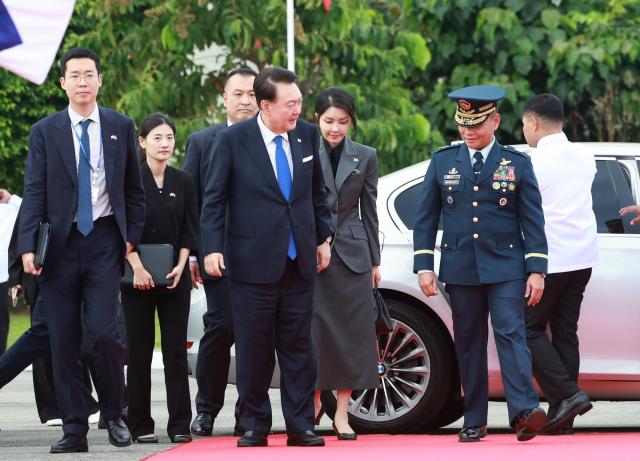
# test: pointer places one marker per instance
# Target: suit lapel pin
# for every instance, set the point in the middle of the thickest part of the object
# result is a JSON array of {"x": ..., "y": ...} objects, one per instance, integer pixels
[
  {"x": 355, "y": 159},
  {"x": 299, "y": 140},
  {"x": 114, "y": 137},
  {"x": 172, "y": 194}
]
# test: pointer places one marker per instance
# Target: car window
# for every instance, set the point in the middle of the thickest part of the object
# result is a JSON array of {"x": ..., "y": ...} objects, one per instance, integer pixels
[
  {"x": 405, "y": 205},
  {"x": 610, "y": 192}
]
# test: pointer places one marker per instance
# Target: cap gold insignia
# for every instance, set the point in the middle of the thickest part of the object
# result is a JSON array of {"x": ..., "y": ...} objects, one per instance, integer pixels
[{"x": 505, "y": 162}]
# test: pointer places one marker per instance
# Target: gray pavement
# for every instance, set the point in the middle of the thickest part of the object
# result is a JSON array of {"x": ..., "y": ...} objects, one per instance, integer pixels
[{"x": 22, "y": 437}]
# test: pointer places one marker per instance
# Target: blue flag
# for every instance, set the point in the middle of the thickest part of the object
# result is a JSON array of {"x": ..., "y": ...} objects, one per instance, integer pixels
[{"x": 9, "y": 36}]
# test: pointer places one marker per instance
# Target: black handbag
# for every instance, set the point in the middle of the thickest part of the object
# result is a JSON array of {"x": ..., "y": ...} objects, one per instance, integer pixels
[
  {"x": 381, "y": 314},
  {"x": 157, "y": 259}
]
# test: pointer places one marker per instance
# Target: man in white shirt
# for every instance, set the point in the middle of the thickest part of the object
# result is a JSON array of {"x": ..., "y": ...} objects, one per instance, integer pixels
[
  {"x": 9, "y": 206},
  {"x": 565, "y": 173}
]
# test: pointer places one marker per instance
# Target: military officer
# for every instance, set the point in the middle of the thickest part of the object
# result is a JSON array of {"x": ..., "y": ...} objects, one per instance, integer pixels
[{"x": 493, "y": 257}]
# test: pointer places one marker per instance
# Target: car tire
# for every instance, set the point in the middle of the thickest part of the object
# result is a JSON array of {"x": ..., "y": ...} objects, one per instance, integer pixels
[{"x": 417, "y": 374}]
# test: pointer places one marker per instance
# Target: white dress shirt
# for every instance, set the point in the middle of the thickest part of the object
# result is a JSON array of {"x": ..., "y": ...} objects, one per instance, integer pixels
[
  {"x": 102, "y": 207},
  {"x": 565, "y": 173},
  {"x": 268, "y": 137},
  {"x": 8, "y": 214}
]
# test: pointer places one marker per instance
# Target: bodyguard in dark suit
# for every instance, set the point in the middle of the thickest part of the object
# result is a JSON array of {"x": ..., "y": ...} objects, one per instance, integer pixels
[
  {"x": 265, "y": 220},
  {"x": 214, "y": 357},
  {"x": 82, "y": 176},
  {"x": 493, "y": 256}
]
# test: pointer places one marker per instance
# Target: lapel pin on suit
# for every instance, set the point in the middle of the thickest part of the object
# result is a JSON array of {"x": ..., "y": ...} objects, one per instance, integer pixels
[
  {"x": 114, "y": 137},
  {"x": 172, "y": 194},
  {"x": 355, "y": 159},
  {"x": 299, "y": 140}
]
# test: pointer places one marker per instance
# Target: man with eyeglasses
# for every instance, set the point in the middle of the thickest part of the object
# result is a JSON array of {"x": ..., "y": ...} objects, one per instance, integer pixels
[{"x": 82, "y": 177}]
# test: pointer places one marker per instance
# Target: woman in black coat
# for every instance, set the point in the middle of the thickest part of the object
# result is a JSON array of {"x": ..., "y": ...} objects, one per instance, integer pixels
[{"x": 171, "y": 217}]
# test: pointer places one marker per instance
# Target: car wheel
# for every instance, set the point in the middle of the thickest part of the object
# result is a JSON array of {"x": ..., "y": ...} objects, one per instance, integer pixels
[{"x": 417, "y": 371}]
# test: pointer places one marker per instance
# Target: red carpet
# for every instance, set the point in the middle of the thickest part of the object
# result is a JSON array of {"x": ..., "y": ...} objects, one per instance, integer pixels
[{"x": 496, "y": 447}]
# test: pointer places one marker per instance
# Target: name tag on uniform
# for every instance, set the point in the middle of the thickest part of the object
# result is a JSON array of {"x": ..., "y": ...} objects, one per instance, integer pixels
[
  {"x": 451, "y": 182},
  {"x": 451, "y": 176}
]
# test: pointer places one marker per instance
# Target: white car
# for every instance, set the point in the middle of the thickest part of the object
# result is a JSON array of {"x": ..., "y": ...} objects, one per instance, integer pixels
[{"x": 420, "y": 386}]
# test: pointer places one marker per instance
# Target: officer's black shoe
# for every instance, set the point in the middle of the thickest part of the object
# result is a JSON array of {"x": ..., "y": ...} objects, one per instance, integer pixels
[
  {"x": 119, "y": 434},
  {"x": 304, "y": 439},
  {"x": 202, "y": 424},
  {"x": 528, "y": 423},
  {"x": 71, "y": 444},
  {"x": 567, "y": 409},
  {"x": 253, "y": 439},
  {"x": 472, "y": 433}
]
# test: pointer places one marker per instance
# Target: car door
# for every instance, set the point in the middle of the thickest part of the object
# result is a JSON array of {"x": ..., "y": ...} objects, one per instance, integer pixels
[{"x": 608, "y": 327}]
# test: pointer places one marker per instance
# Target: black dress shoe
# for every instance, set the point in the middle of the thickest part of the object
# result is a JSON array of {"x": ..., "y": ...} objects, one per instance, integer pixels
[
  {"x": 202, "y": 424},
  {"x": 253, "y": 439},
  {"x": 528, "y": 423},
  {"x": 119, "y": 434},
  {"x": 304, "y": 439},
  {"x": 151, "y": 438},
  {"x": 180, "y": 438},
  {"x": 71, "y": 444},
  {"x": 567, "y": 409},
  {"x": 344, "y": 435},
  {"x": 472, "y": 433}
]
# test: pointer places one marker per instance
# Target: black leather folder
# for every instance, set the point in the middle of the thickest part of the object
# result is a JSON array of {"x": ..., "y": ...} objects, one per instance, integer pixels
[
  {"x": 42, "y": 245},
  {"x": 157, "y": 259}
]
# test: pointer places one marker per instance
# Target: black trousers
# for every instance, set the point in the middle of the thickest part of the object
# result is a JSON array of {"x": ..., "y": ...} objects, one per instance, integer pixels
[
  {"x": 32, "y": 347},
  {"x": 173, "y": 313},
  {"x": 556, "y": 360},
  {"x": 81, "y": 286},
  {"x": 4, "y": 316},
  {"x": 212, "y": 367},
  {"x": 267, "y": 317}
]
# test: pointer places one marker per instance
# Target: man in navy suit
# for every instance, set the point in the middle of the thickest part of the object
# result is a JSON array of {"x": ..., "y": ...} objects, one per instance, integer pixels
[
  {"x": 265, "y": 221},
  {"x": 214, "y": 355},
  {"x": 493, "y": 256},
  {"x": 82, "y": 177}
]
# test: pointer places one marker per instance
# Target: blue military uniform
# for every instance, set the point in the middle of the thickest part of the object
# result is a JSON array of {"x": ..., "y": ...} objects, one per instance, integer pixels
[{"x": 493, "y": 237}]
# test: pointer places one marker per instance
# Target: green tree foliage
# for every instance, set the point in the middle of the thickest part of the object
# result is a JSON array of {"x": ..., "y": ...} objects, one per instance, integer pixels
[{"x": 399, "y": 58}]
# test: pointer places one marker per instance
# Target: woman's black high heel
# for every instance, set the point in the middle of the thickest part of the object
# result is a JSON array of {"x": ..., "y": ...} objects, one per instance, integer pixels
[
  {"x": 344, "y": 435},
  {"x": 319, "y": 417}
]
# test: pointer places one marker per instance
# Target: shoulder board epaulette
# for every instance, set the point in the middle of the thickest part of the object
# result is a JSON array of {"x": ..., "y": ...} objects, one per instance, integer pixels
[
  {"x": 513, "y": 150},
  {"x": 447, "y": 147}
]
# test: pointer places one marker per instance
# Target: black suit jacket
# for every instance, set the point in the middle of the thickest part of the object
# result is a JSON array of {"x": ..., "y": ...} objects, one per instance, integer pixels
[
  {"x": 197, "y": 157},
  {"x": 51, "y": 177},
  {"x": 171, "y": 217},
  {"x": 242, "y": 193},
  {"x": 17, "y": 276}
]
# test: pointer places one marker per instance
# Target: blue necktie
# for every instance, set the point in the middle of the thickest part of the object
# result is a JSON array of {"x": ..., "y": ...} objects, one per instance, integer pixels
[
  {"x": 479, "y": 163},
  {"x": 85, "y": 211},
  {"x": 285, "y": 181}
]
